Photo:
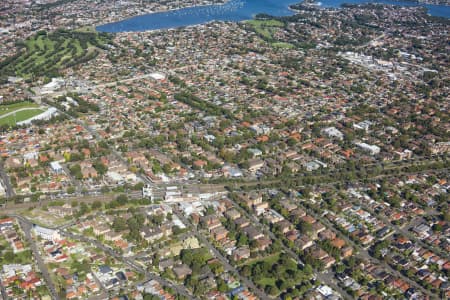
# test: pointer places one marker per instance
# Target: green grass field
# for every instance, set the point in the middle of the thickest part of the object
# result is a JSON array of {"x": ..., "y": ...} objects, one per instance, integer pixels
[
  {"x": 45, "y": 54},
  {"x": 266, "y": 281},
  {"x": 4, "y": 109},
  {"x": 266, "y": 28},
  {"x": 268, "y": 270},
  {"x": 20, "y": 115},
  {"x": 271, "y": 259},
  {"x": 282, "y": 45}
]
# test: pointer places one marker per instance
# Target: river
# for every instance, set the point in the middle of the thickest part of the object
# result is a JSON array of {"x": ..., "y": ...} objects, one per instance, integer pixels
[{"x": 235, "y": 10}]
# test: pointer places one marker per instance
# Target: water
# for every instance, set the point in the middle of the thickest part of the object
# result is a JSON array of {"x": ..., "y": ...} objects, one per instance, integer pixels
[
  {"x": 235, "y": 10},
  {"x": 434, "y": 10}
]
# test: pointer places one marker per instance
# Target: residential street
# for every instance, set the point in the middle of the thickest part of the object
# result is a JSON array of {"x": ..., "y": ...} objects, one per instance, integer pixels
[
  {"x": 3, "y": 291},
  {"x": 227, "y": 265},
  {"x": 27, "y": 227},
  {"x": 364, "y": 254},
  {"x": 224, "y": 149},
  {"x": 131, "y": 263},
  {"x": 327, "y": 278},
  {"x": 6, "y": 182},
  {"x": 407, "y": 234}
]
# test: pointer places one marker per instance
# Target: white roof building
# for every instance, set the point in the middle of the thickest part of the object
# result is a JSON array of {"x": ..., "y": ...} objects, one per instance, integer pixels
[
  {"x": 255, "y": 152},
  {"x": 47, "y": 233},
  {"x": 364, "y": 125},
  {"x": 157, "y": 76},
  {"x": 56, "y": 167},
  {"x": 13, "y": 269},
  {"x": 325, "y": 290},
  {"x": 333, "y": 132},
  {"x": 371, "y": 149},
  {"x": 50, "y": 87}
]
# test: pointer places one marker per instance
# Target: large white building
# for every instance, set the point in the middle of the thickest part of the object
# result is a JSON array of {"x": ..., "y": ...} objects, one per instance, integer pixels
[
  {"x": 370, "y": 149},
  {"x": 364, "y": 125},
  {"x": 2, "y": 190},
  {"x": 52, "y": 86},
  {"x": 333, "y": 132},
  {"x": 147, "y": 192},
  {"x": 56, "y": 167},
  {"x": 47, "y": 233}
]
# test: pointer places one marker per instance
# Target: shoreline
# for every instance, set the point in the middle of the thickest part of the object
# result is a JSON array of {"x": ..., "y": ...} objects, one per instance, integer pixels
[
  {"x": 158, "y": 12},
  {"x": 312, "y": 3},
  {"x": 190, "y": 25}
]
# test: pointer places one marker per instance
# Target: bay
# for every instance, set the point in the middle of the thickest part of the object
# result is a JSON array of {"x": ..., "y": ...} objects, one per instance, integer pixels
[{"x": 236, "y": 10}]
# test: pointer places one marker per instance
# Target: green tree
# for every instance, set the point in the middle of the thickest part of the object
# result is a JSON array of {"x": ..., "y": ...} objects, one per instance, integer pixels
[
  {"x": 122, "y": 199},
  {"x": 119, "y": 224},
  {"x": 100, "y": 167},
  {"x": 96, "y": 205}
]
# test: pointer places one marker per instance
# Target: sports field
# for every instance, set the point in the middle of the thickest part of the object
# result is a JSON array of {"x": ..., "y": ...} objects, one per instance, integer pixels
[{"x": 10, "y": 114}]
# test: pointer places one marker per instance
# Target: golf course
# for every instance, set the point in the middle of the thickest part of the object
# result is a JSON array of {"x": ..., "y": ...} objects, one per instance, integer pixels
[{"x": 46, "y": 54}]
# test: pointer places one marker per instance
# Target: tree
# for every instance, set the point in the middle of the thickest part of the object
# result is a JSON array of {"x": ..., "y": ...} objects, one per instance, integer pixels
[
  {"x": 200, "y": 288},
  {"x": 156, "y": 219},
  {"x": 151, "y": 297},
  {"x": 71, "y": 190},
  {"x": 216, "y": 268},
  {"x": 446, "y": 217},
  {"x": 272, "y": 290},
  {"x": 75, "y": 170},
  {"x": 67, "y": 156},
  {"x": 122, "y": 199},
  {"x": 119, "y": 224},
  {"x": 308, "y": 270},
  {"x": 138, "y": 186},
  {"x": 83, "y": 209},
  {"x": 438, "y": 227},
  {"x": 96, "y": 205},
  {"x": 282, "y": 284},
  {"x": 210, "y": 210},
  {"x": 246, "y": 271},
  {"x": 221, "y": 285},
  {"x": 104, "y": 189},
  {"x": 100, "y": 167},
  {"x": 305, "y": 227},
  {"x": 167, "y": 168},
  {"x": 242, "y": 240},
  {"x": 8, "y": 257},
  {"x": 340, "y": 268}
]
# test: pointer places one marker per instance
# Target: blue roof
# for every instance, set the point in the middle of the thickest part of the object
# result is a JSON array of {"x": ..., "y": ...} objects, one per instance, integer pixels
[
  {"x": 237, "y": 290},
  {"x": 104, "y": 269}
]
